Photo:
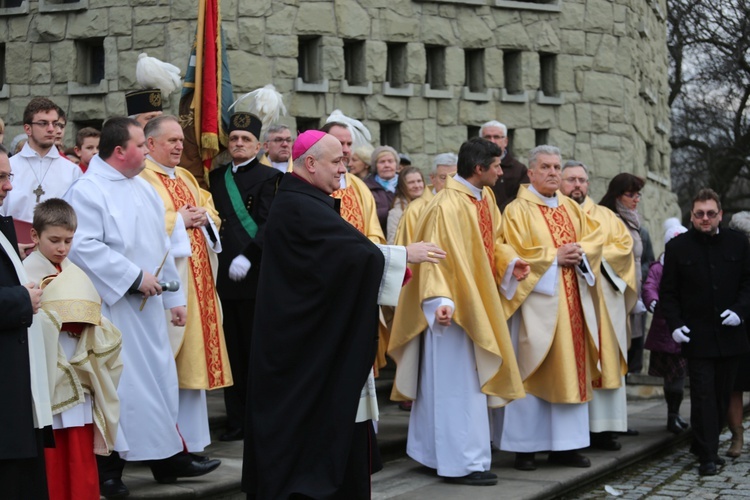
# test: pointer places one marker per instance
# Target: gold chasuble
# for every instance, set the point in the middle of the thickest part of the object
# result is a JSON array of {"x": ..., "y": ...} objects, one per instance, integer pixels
[
  {"x": 616, "y": 294},
  {"x": 408, "y": 223},
  {"x": 201, "y": 356},
  {"x": 468, "y": 230},
  {"x": 558, "y": 339}
]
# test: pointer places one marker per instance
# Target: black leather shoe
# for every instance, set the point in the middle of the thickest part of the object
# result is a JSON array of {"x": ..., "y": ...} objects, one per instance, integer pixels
[
  {"x": 199, "y": 458},
  {"x": 232, "y": 435},
  {"x": 568, "y": 458},
  {"x": 707, "y": 469},
  {"x": 604, "y": 441},
  {"x": 525, "y": 461},
  {"x": 673, "y": 425},
  {"x": 682, "y": 423},
  {"x": 113, "y": 488},
  {"x": 475, "y": 479},
  {"x": 181, "y": 465},
  {"x": 720, "y": 462}
]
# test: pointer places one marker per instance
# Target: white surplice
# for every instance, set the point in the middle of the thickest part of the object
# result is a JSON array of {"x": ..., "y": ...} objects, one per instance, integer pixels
[
  {"x": 121, "y": 232},
  {"x": 53, "y": 172}
]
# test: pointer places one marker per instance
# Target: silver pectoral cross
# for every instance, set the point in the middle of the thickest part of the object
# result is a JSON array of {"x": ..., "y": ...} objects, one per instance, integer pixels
[{"x": 38, "y": 192}]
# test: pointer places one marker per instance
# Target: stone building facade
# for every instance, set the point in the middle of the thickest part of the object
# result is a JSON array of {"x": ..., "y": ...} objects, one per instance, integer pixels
[{"x": 586, "y": 75}]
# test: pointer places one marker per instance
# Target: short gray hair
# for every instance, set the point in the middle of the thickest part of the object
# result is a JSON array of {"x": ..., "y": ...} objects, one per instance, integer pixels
[
  {"x": 741, "y": 222},
  {"x": 274, "y": 129},
  {"x": 575, "y": 163},
  {"x": 544, "y": 149},
  {"x": 493, "y": 123},
  {"x": 378, "y": 151},
  {"x": 444, "y": 159}
]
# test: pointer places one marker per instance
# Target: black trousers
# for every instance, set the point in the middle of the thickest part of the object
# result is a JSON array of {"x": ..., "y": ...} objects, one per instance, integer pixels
[
  {"x": 238, "y": 328},
  {"x": 711, "y": 382},
  {"x": 25, "y": 478}
]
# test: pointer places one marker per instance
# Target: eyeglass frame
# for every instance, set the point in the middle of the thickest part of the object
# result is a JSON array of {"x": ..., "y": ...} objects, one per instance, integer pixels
[
  {"x": 6, "y": 178},
  {"x": 700, "y": 214},
  {"x": 44, "y": 124}
]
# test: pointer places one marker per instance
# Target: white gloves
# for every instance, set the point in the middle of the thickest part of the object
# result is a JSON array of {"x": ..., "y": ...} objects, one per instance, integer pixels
[
  {"x": 680, "y": 336},
  {"x": 639, "y": 308},
  {"x": 730, "y": 318},
  {"x": 652, "y": 306},
  {"x": 238, "y": 268}
]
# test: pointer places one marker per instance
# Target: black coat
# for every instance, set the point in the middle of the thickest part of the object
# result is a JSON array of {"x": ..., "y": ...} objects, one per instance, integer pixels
[
  {"x": 515, "y": 173},
  {"x": 257, "y": 184},
  {"x": 18, "y": 439},
  {"x": 703, "y": 276},
  {"x": 314, "y": 343}
]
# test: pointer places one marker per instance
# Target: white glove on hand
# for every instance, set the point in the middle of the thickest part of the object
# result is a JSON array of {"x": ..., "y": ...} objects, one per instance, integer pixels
[
  {"x": 238, "y": 268},
  {"x": 652, "y": 306},
  {"x": 639, "y": 308},
  {"x": 680, "y": 336},
  {"x": 730, "y": 318}
]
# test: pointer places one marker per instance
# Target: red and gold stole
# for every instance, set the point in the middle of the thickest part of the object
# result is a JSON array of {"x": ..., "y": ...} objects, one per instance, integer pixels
[
  {"x": 485, "y": 229},
  {"x": 351, "y": 212}
]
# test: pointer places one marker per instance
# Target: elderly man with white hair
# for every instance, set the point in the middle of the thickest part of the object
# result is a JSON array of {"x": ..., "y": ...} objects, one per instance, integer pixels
[{"x": 514, "y": 172}]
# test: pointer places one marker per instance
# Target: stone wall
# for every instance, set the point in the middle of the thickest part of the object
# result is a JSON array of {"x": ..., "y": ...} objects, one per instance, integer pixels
[{"x": 610, "y": 110}]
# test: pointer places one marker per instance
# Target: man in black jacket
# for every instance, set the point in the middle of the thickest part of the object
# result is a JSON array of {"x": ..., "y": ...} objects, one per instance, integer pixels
[
  {"x": 242, "y": 192},
  {"x": 22, "y": 472},
  {"x": 705, "y": 297}
]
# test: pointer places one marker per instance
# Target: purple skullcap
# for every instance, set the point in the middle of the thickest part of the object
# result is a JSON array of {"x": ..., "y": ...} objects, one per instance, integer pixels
[{"x": 305, "y": 141}]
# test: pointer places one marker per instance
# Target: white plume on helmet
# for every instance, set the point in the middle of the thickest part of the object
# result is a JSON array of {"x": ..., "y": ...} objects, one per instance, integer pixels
[
  {"x": 266, "y": 103},
  {"x": 360, "y": 135},
  {"x": 150, "y": 73}
]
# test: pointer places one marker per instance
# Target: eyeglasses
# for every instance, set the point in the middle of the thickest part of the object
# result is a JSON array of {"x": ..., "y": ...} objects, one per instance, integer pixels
[
  {"x": 700, "y": 214},
  {"x": 279, "y": 140},
  {"x": 633, "y": 196},
  {"x": 45, "y": 124},
  {"x": 491, "y": 137},
  {"x": 6, "y": 178},
  {"x": 576, "y": 180}
]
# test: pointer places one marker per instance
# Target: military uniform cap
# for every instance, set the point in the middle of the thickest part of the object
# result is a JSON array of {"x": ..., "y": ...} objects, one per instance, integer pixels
[
  {"x": 143, "y": 101},
  {"x": 247, "y": 122}
]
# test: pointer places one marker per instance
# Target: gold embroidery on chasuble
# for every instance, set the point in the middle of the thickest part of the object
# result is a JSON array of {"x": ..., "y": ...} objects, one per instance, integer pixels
[
  {"x": 351, "y": 212},
  {"x": 200, "y": 269},
  {"x": 562, "y": 231},
  {"x": 485, "y": 229}
]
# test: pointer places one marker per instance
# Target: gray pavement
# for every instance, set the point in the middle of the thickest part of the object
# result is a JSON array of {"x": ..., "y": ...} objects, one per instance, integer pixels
[{"x": 402, "y": 478}]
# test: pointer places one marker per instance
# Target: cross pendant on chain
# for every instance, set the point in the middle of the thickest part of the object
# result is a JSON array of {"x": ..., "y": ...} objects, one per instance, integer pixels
[{"x": 38, "y": 192}]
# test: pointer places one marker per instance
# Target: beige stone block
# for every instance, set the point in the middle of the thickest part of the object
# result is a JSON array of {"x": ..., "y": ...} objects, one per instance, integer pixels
[
  {"x": 149, "y": 15},
  {"x": 447, "y": 112},
  {"x": 566, "y": 118},
  {"x": 87, "y": 108},
  {"x": 620, "y": 129},
  {"x": 530, "y": 71},
  {"x": 148, "y": 36},
  {"x": 251, "y": 32},
  {"x": 564, "y": 141},
  {"x": 18, "y": 28},
  {"x": 248, "y": 70},
  {"x": 50, "y": 27},
  {"x": 185, "y": 9},
  {"x": 412, "y": 135},
  {"x": 229, "y": 10},
  {"x": 543, "y": 117},
  {"x": 436, "y": 30},
  {"x": 416, "y": 65},
  {"x": 493, "y": 68},
  {"x": 333, "y": 63},
  {"x": 473, "y": 30},
  {"x": 620, "y": 29},
  {"x": 571, "y": 15},
  {"x": 61, "y": 65},
  {"x": 582, "y": 153},
  {"x": 608, "y": 164},
  {"x": 475, "y": 113},
  {"x": 256, "y": 8},
  {"x": 606, "y": 55},
  {"x": 315, "y": 18},
  {"x": 565, "y": 75},
  {"x": 351, "y": 105},
  {"x": 599, "y": 119},
  {"x": 181, "y": 35},
  {"x": 307, "y": 105},
  {"x": 124, "y": 43},
  {"x": 352, "y": 20},
  {"x": 627, "y": 53},
  {"x": 416, "y": 108},
  {"x": 88, "y": 24},
  {"x": 430, "y": 137},
  {"x": 582, "y": 63},
  {"x": 285, "y": 67},
  {"x": 450, "y": 138},
  {"x": 513, "y": 37},
  {"x": 111, "y": 69},
  {"x": 120, "y": 21},
  {"x": 376, "y": 55},
  {"x": 583, "y": 117},
  {"x": 382, "y": 108},
  {"x": 397, "y": 28},
  {"x": 281, "y": 22},
  {"x": 605, "y": 141},
  {"x": 592, "y": 43},
  {"x": 514, "y": 115},
  {"x": 598, "y": 16},
  {"x": 603, "y": 88},
  {"x": 40, "y": 52},
  {"x": 39, "y": 73},
  {"x": 455, "y": 72},
  {"x": 524, "y": 140},
  {"x": 620, "y": 13},
  {"x": 114, "y": 104},
  {"x": 45, "y": 90},
  {"x": 17, "y": 63},
  {"x": 231, "y": 37},
  {"x": 545, "y": 37},
  {"x": 573, "y": 42},
  {"x": 126, "y": 62}
]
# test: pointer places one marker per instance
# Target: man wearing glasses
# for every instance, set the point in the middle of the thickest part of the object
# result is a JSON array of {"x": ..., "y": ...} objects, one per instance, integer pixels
[
  {"x": 278, "y": 146},
  {"x": 705, "y": 298},
  {"x": 40, "y": 171},
  {"x": 514, "y": 172}
]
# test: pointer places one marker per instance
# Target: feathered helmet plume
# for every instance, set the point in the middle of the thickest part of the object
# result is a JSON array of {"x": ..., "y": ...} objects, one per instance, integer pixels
[
  {"x": 360, "y": 134},
  {"x": 266, "y": 103},
  {"x": 150, "y": 72}
]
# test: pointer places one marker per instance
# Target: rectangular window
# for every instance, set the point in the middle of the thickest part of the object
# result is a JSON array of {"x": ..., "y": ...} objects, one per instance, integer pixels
[
  {"x": 512, "y": 71},
  {"x": 435, "y": 74},
  {"x": 390, "y": 134},
  {"x": 541, "y": 136},
  {"x": 2, "y": 65},
  {"x": 354, "y": 62},
  {"x": 90, "y": 61},
  {"x": 650, "y": 158},
  {"x": 309, "y": 59},
  {"x": 511, "y": 135},
  {"x": 474, "y": 62},
  {"x": 472, "y": 131},
  {"x": 10, "y": 4},
  {"x": 396, "y": 65},
  {"x": 304, "y": 124},
  {"x": 548, "y": 74}
]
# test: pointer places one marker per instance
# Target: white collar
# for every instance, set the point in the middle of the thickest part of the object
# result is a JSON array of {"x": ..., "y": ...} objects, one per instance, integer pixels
[
  {"x": 550, "y": 201},
  {"x": 170, "y": 171},
  {"x": 28, "y": 152},
  {"x": 475, "y": 191},
  {"x": 236, "y": 167}
]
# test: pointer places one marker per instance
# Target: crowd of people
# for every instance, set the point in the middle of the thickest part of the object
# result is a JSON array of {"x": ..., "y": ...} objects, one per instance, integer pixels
[{"x": 512, "y": 304}]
